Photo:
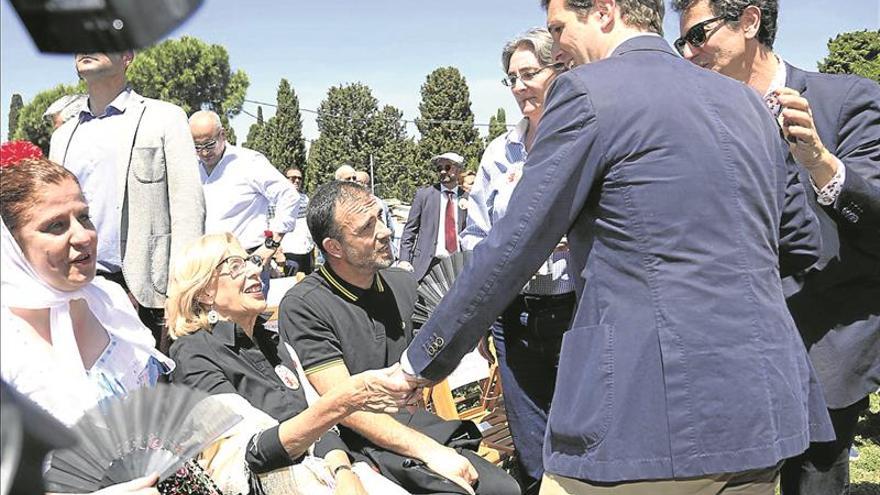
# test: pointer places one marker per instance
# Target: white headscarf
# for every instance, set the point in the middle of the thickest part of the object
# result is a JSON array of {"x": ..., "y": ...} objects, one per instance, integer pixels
[{"x": 22, "y": 287}]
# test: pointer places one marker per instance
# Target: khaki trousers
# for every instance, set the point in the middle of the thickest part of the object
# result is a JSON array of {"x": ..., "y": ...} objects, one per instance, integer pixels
[{"x": 756, "y": 482}]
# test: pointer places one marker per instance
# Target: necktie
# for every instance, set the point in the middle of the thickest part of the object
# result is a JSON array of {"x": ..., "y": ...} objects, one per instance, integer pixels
[{"x": 450, "y": 230}]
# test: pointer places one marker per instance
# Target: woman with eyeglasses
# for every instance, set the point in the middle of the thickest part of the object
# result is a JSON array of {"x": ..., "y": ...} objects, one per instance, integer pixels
[
  {"x": 528, "y": 334},
  {"x": 214, "y": 308}
]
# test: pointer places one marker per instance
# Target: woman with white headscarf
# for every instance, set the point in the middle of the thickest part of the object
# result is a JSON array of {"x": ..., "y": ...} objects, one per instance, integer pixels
[{"x": 68, "y": 340}]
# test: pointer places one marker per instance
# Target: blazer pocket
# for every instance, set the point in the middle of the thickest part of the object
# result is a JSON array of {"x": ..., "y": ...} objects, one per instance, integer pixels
[
  {"x": 148, "y": 164},
  {"x": 584, "y": 393},
  {"x": 160, "y": 251}
]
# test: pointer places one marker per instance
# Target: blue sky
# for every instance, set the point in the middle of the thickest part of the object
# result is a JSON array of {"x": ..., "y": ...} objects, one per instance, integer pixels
[{"x": 389, "y": 45}]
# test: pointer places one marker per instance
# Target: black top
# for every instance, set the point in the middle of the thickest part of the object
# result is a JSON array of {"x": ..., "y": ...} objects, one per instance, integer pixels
[
  {"x": 328, "y": 320},
  {"x": 225, "y": 360}
]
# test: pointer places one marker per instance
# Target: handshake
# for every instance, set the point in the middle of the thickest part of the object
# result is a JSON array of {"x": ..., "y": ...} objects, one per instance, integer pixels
[{"x": 387, "y": 390}]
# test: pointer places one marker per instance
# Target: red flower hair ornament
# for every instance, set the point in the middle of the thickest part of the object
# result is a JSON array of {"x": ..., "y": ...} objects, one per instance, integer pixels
[{"x": 12, "y": 152}]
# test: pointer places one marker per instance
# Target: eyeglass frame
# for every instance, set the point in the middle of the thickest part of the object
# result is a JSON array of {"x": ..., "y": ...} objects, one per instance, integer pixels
[
  {"x": 210, "y": 145},
  {"x": 255, "y": 259},
  {"x": 510, "y": 81},
  {"x": 699, "y": 29}
]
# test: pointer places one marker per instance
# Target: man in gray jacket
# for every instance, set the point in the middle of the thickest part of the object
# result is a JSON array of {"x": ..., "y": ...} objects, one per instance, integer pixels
[{"x": 135, "y": 160}]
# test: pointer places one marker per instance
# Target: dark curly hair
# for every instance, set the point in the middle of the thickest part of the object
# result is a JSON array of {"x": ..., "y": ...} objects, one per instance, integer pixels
[{"x": 732, "y": 10}]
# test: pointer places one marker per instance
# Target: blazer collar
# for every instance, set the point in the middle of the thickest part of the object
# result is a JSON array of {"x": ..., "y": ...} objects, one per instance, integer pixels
[
  {"x": 645, "y": 42},
  {"x": 795, "y": 79}
]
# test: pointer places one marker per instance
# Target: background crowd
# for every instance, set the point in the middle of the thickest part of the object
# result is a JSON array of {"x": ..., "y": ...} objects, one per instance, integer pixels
[{"x": 676, "y": 254}]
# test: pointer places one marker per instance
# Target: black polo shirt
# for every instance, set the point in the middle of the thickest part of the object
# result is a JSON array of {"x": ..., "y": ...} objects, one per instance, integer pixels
[
  {"x": 328, "y": 320},
  {"x": 226, "y": 360}
]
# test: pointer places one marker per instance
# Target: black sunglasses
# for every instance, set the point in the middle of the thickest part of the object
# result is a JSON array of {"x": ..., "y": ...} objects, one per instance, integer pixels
[{"x": 696, "y": 35}]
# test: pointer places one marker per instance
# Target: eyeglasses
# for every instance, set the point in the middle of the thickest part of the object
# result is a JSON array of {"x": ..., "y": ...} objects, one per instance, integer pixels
[
  {"x": 526, "y": 77},
  {"x": 696, "y": 36},
  {"x": 209, "y": 146},
  {"x": 237, "y": 264}
]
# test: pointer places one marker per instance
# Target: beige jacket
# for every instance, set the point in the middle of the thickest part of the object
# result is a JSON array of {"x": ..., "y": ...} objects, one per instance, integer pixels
[{"x": 160, "y": 195}]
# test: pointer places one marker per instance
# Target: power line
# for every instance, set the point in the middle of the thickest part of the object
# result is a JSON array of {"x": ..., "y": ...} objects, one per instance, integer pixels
[{"x": 405, "y": 121}]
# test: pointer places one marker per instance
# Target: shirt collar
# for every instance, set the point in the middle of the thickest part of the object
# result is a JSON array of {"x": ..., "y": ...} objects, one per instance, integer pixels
[
  {"x": 779, "y": 81},
  {"x": 117, "y": 106},
  {"x": 347, "y": 290},
  {"x": 444, "y": 190},
  {"x": 228, "y": 332},
  {"x": 517, "y": 135}
]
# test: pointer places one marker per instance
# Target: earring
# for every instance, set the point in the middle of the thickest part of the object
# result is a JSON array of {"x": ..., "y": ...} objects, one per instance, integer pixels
[{"x": 213, "y": 316}]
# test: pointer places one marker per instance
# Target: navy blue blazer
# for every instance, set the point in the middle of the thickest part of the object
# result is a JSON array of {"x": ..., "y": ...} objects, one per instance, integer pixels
[
  {"x": 836, "y": 305},
  {"x": 672, "y": 185},
  {"x": 419, "y": 240}
]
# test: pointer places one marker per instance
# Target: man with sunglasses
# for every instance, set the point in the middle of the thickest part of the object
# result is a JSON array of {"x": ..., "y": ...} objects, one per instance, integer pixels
[
  {"x": 435, "y": 219},
  {"x": 240, "y": 185},
  {"x": 832, "y": 124},
  {"x": 134, "y": 158},
  {"x": 682, "y": 371}
]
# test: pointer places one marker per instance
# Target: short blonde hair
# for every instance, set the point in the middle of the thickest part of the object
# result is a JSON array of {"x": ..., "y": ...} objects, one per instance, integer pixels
[{"x": 191, "y": 273}]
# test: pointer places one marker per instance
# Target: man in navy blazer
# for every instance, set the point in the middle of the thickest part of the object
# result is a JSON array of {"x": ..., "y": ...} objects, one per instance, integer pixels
[
  {"x": 424, "y": 236},
  {"x": 835, "y": 123},
  {"x": 683, "y": 370}
]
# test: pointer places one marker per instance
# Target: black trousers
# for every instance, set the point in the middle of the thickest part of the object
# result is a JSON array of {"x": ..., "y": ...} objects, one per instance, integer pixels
[
  {"x": 824, "y": 468},
  {"x": 152, "y": 318}
]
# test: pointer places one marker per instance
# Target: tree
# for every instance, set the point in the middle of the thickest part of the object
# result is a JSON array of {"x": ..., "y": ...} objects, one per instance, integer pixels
[
  {"x": 353, "y": 130},
  {"x": 254, "y": 138},
  {"x": 282, "y": 136},
  {"x": 497, "y": 125},
  {"x": 857, "y": 52},
  {"x": 446, "y": 121},
  {"x": 193, "y": 75},
  {"x": 14, "y": 108},
  {"x": 32, "y": 126}
]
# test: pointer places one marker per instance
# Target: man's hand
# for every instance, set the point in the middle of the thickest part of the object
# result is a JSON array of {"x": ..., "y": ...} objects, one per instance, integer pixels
[
  {"x": 804, "y": 142},
  {"x": 348, "y": 483},
  {"x": 406, "y": 265},
  {"x": 453, "y": 466},
  {"x": 382, "y": 391}
]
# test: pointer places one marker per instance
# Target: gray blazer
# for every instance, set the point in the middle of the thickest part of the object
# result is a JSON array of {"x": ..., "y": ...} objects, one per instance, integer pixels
[{"x": 160, "y": 195}]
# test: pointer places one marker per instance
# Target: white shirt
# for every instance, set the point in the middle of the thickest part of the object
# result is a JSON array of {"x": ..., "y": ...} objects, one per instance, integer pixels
[
  {"x": 93, "y": 156},
  {"x": 441, "y": 251},
  {"x": 300, "y": 240},
  {"x": 238, "y": 193}
]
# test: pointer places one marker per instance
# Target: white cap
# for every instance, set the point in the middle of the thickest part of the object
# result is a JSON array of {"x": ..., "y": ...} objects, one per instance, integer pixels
[{"x": 452, "y": 157}]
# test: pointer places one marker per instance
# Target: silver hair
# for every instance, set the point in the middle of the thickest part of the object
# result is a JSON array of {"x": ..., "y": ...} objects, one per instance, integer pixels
[
  {"x": 537, "y": 39},
  {"x": 218, "y": 124}
]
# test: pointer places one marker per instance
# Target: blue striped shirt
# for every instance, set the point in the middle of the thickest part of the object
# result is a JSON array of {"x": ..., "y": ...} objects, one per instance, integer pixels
[{"x": 499, "y": 172}]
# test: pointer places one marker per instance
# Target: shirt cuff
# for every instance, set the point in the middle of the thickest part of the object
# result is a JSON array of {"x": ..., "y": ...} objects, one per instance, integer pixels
[
  {"x": 406, "y": 367},
  {"x": 828, "y": 194},
  {"x": 266, "y": 453}
]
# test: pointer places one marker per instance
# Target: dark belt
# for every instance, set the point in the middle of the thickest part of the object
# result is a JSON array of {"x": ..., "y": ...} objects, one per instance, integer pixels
[{"x": 537, "y": 303}]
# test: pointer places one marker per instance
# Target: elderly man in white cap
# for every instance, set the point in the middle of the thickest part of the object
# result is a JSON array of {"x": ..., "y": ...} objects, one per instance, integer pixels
[{"x": 435, "y": 219}]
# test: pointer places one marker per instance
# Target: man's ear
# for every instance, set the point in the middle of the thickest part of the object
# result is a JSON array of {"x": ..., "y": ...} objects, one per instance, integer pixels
[
  {"x": 750, "y": 21},
  {"x": 127, "y": 58},
  {"x": 605, "y": 9},
  {"x": 332, "y": 247}
]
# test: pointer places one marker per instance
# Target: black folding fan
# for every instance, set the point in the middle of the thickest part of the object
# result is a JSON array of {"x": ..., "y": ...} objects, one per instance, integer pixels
[{"x": 437, "y": 283}]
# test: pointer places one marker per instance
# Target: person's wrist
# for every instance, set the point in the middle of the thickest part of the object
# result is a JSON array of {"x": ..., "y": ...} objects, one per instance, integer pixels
[
  {"x": 821, "y": 159},
  {"x": 340, "y": 470}
]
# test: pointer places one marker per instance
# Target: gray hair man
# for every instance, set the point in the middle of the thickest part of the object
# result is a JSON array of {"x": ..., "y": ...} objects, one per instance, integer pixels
[{"x": 832, "y": 123}]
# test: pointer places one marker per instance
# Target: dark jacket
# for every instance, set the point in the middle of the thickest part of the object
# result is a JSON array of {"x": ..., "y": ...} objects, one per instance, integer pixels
[
  {"x": 672, "y": 185},
  {"x": 419, "y": 241}
]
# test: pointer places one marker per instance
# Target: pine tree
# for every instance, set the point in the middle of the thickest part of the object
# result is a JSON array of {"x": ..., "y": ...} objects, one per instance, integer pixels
[
  {"x": 857, "y": 52},
  {"x": 446, "y": 121},
  {"x": 255, "y": 132},
  {"x": 282, "y": 138},
  {"x": 497, "y": 125},
  {"x": 353, "y": 130},
  {"x": 14, "y": 108}
]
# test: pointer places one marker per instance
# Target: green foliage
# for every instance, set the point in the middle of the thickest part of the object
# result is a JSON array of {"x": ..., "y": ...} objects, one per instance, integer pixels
[
  {"x": 447, "y": 122},
  {"x": 31, "y": 124},
  {"x": 497, "y": 125},
  {"x": 865, "y": 472},
  {"x": 14, "y": 108},
  {"x": 353, "y": 130},
  {"x": 191, "y": 74},
  {"x": 281, "y": 138},
  {"x": 857, "y": 52},
  {"x": 254, "y": 138}
]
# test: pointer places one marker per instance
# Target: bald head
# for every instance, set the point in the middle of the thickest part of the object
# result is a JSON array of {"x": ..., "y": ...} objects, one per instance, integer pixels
[
  {"x": 208, "y": 136},
  {"x": 362, "y": 178},
  {"x": 345, "y": 172}
]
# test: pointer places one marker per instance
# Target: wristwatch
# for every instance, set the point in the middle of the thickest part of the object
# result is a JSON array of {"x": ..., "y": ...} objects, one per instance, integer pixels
[{"x": 270, "y": 241}]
